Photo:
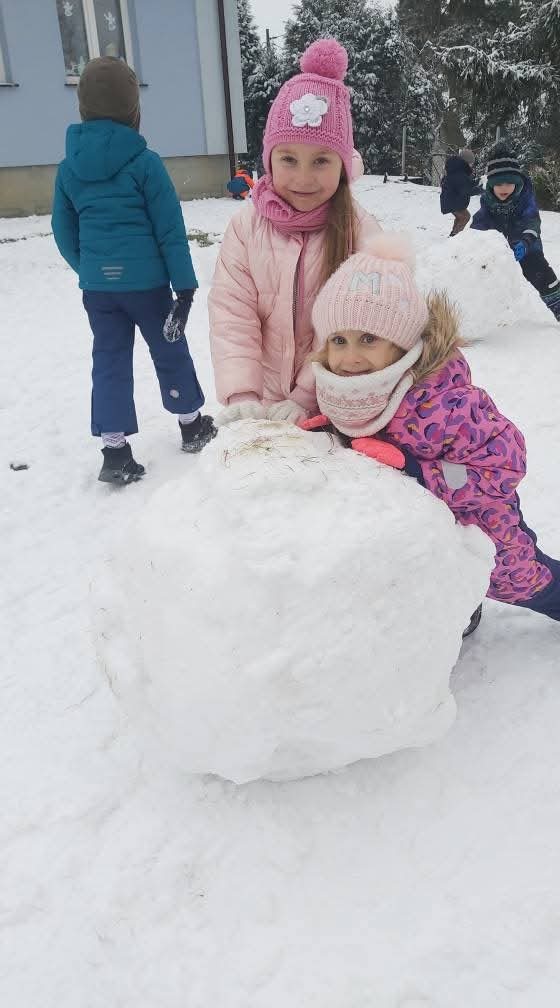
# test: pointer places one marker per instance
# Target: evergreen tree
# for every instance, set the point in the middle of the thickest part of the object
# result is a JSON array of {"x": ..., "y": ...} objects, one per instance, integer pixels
[
  {"x": 422, "y": 20},
  {"x": 422, "y": 106},
  {"x": 264, "y": 85},
  {"x": 308, "y": 22},
  {"x": 252, "y": 60},
  {"x": 513, "y": 60},
  {"x": 251, "y": 47},
  {"x": 467, "y": 20},
  {"x": 443, "y": 28},
  {"x": 509, "y": 68},
  {"x": 429, "y": 20}
]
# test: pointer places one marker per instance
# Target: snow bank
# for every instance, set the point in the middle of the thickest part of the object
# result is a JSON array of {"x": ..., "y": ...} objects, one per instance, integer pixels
[
  {"x": 289, "y": 607},
  {"x": 497, "y": 296}
]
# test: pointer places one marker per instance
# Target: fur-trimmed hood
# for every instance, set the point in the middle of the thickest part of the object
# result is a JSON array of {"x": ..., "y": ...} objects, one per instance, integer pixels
[{"x": 441, "y": 337}]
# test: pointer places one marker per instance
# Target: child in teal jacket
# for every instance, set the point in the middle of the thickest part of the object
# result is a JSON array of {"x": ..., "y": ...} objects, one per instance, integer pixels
[{"x": 118, "y": 223}]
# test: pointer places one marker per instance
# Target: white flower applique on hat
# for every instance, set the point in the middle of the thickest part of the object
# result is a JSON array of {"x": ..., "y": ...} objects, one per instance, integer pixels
[{"x": 308, "y": 110}]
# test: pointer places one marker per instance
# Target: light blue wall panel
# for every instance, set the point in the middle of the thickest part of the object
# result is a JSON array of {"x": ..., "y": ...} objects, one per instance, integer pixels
[{"x": 34, "y": 116}]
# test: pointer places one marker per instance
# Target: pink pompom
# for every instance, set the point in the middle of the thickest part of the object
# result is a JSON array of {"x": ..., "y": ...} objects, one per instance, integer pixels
[
  {"x": 393, "y": 246},
  {"x": 327, "y": 58}
]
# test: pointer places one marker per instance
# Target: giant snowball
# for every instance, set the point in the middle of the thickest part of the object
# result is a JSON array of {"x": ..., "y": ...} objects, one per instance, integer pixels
[
  {"x": 288, "y": 606},
  {"x": 479, "y": 272}
]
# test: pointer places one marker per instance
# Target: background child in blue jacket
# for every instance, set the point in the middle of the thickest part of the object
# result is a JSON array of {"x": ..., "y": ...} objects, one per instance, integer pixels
[
  {"x": 509, "y": 206},
  {"x": 457, "y": 186},
  {"x": 118, "y": 223},
  {"x": 241, "y": 184}
]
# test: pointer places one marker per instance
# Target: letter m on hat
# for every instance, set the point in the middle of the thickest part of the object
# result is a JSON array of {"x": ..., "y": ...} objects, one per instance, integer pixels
[{"x": 371, "y": 281}]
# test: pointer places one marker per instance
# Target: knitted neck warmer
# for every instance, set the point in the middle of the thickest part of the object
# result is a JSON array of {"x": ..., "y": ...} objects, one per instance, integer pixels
[
  {"x": 365, "y": 404},
  {"x": 504, "y": 207},
  {"x": 270, "y": 205}
]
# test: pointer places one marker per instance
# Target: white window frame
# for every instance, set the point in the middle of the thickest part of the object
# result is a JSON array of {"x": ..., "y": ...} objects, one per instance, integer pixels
[
  {"x": 5, "y": 79},
  {"x": 93, "y": 38}
]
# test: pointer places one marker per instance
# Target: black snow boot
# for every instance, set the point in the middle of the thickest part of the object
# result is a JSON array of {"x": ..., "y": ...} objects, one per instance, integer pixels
[
  {"x": 119, "y": 466},
  {"x": 475, "y": 620},
  {"x": 198, "y": 433}
]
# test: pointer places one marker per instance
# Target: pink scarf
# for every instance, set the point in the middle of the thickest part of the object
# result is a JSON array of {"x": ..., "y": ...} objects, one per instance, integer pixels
[
  {"x": 284, "y": 218},
  {"x": 273, "y": 208}
]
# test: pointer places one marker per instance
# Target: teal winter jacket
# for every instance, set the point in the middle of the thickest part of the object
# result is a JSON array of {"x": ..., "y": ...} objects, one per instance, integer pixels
[{"x": 116, "y": 217}]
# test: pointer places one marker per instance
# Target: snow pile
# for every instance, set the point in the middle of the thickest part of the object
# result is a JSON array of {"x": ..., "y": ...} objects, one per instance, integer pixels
[
  {"x": 290, "y": 607},
  {"x": 499, "y": 295}
]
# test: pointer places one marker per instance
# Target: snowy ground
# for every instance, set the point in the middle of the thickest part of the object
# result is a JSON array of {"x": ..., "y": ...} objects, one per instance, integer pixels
[{"x": 425, "y": 879}]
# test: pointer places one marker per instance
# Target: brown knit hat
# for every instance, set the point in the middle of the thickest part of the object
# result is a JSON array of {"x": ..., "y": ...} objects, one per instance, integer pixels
[{"x": 108, "y": 89}]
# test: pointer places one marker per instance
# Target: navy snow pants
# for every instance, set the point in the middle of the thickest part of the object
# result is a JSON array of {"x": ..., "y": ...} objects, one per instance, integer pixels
[
  {"x": 546, "y": 602},
  {"x": 540, "y": 274},
  {"x": 113, "y": 316}
]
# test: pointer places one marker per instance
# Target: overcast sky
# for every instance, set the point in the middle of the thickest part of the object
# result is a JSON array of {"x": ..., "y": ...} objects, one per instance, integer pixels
[{"x": 272, "y": 14}]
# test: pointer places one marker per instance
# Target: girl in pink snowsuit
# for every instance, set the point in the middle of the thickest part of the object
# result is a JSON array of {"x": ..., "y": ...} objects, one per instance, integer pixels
[
  {"x": 391, "y": 379},
  {"x": 278, "y": 251}
]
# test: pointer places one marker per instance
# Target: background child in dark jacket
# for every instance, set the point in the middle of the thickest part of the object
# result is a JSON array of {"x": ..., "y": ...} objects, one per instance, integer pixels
[
  {"x": 457, "y": 186},
  {"x": 118, "y": 223},
  {"x": 509, "y": 206}
]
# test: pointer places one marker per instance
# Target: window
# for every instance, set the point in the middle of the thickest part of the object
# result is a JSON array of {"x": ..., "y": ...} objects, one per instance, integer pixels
[{"x": 91, "y": 28}]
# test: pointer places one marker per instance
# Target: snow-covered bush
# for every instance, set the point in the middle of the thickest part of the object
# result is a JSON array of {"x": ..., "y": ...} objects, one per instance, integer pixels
[{"x": 287, "y": 607}]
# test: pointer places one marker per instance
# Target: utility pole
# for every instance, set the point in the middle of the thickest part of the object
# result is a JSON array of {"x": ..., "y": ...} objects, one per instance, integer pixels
[{"x": 269, "y": 39}]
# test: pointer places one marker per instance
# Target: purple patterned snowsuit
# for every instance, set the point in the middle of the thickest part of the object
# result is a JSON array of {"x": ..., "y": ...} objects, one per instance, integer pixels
[{"x": 473, "y": 458}]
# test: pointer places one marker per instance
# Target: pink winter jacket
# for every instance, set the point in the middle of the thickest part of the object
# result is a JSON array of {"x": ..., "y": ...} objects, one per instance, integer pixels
[
  {"x": 259, "y": 336},
  {"x": 473, "y": 458}
]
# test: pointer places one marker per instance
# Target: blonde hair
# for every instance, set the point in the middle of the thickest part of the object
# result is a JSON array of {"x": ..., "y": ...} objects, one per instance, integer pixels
[
  {"x": 441, "y": 338},
  {"x": 341, "y": 236}
]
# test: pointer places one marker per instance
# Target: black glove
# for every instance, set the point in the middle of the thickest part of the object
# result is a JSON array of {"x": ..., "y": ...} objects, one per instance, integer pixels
[{"x": 174, "y": 325}]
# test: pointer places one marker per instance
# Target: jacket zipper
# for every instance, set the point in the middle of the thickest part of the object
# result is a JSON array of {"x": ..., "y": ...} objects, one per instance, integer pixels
[
  {"x": 295, "y": 308},
  {"x": 295, "y": 297},
  {"x": 295, "y": 302}
]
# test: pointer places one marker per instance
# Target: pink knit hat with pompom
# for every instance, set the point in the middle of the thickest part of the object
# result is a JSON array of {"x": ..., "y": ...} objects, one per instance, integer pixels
[
  {"x": 314, "y": 106},
  {"x": 374, "y": 291}
]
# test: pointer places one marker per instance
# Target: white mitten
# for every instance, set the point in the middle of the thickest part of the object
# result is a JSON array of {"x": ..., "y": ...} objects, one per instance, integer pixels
[
  {"x": 248, "y": 410},
  {"x": 287, "y": 410}
]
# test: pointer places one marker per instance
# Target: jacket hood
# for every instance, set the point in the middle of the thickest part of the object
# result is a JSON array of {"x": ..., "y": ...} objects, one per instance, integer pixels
[{"x": 98, "y": 149}]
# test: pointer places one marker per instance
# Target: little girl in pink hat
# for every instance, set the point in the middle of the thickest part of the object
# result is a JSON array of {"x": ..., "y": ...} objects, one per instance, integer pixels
[
  {"x": 390, "y": 377},
  {"x": 301, "y": 224}
]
